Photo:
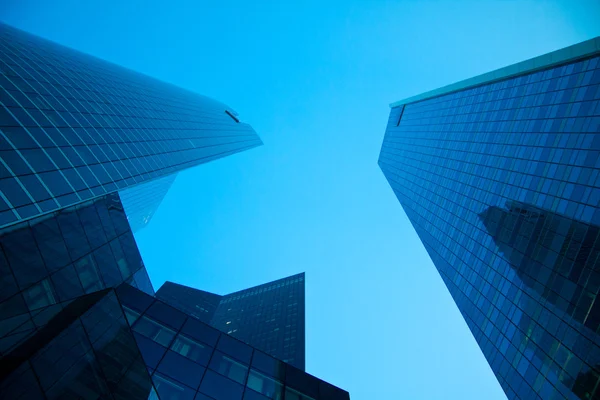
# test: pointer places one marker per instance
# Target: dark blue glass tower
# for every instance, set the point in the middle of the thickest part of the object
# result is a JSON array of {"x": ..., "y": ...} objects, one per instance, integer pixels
[
  {"x": 74, "y": 130},
  {"x": 500, "y": 177},
  {"x": 74, "y": 127},
  {"x": 124, "y": 344},
  {"x": 269, "y": 317},
  {"x": 71, "y": 334},
  {"x": 78, "y": 319},
  {"x": 52, "y": 259}
]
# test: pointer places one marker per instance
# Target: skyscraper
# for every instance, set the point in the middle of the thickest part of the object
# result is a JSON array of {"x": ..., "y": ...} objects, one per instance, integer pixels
[
  {"x": 77, "y": 314},
  {"x": 269, "y": 317},
  {"x": 500, "y": 177},
  {"x": 66, "y": 332},
  {"x": 73, "y": 130},
  {"x": 142, "y": 201},
  {"x": 125, "y": 344},
  {"x": 74, "y": 127}
]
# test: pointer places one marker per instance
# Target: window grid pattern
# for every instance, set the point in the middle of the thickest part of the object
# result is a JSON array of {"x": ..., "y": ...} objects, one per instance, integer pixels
[
  {"x": 269, "y": 317},
  {"x": 502, "y": 184},
  {"x": 142, "y": 201},
  {"x": 60, "y": 256},
  {"x": 73, "y": 127},
  {"x": 95, "y": 356},
  {"x": 189, "y": 359}
]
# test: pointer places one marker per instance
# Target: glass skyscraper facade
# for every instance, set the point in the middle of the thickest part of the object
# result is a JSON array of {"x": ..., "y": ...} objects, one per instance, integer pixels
[
  {"x": 269, "y": 317},
  {"x": 79, "y": 319},
  {"x": 74, "y": 127},
  {"x": 87, "y": 152},
  {"x": 142, "y": 201},
  {"x": 74, "y": 130},
  {"x": 84, "y": 351},
  {"x": 79, "y": 139},
  {"x": 52, "y": 259},
  {"x": 125, "y": 344},
  {"x": 500, "y": 177}
]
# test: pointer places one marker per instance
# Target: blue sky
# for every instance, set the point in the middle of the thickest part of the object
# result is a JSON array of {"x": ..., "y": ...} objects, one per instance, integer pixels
[{"x": 315, "y": 79}]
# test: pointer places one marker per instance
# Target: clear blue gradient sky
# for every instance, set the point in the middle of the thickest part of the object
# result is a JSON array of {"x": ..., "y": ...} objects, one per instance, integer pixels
[{"x": 315, "y": 78}]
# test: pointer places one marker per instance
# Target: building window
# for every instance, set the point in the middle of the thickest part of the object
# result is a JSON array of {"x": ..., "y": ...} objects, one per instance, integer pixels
[
  {"x": 291, "y": 394},
  {"x": 168, "y": 389},
  {"x": 88, "y": 274},
  {"x": 191, "y": 349},
  {"x": 39, "y": 295},
  {"x": 155, "y": 331},
  {"x": 265, "y": 385},
  {"x": 228, "y": 367},
  {"x": 131, "y": 315}
]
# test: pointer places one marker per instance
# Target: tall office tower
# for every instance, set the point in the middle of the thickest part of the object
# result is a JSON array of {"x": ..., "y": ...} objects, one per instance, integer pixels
[
  {"x": 194, "y": 302},
  {"x": 75, "y": 130},
  {"x": 142, "y": 201},
  {"x": 74, "y": 127},
  {"x": 269, "y": 317},
  {"x": 124, "y": 344},
  {"x": 500, "y": 177}
]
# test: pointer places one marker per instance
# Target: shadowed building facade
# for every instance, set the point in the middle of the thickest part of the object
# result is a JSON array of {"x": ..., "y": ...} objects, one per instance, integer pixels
[
  {"x": 77, "y": 314},
  {"x": 74, "y": 131},
  {"x": 74, "y": 326},
  {"x": 125, "y": 344},
  {"x": 270, "y": 317},
  {"x": 52, "y": 259},
  {"x": 74, "y": 127},
  {"x": 500, "y": 177}
]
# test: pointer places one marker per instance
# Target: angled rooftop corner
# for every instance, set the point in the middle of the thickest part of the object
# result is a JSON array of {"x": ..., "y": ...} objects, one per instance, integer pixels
[
  {"x": 271, "y": 283},
  {"x": 200, "y": 355},
  {"x": 66, "y": 137},
  {"x": 269, "y": 317},
  {"x": 565, "y": 55},
  {"x": 268, "y": 284}
]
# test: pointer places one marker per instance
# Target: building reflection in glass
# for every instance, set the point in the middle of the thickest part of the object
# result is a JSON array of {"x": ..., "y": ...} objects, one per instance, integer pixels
[{"x": 557, "y": 259}]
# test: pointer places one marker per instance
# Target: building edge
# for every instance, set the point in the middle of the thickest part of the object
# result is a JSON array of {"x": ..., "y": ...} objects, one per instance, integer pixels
[{"x": 586, "y": 49}]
